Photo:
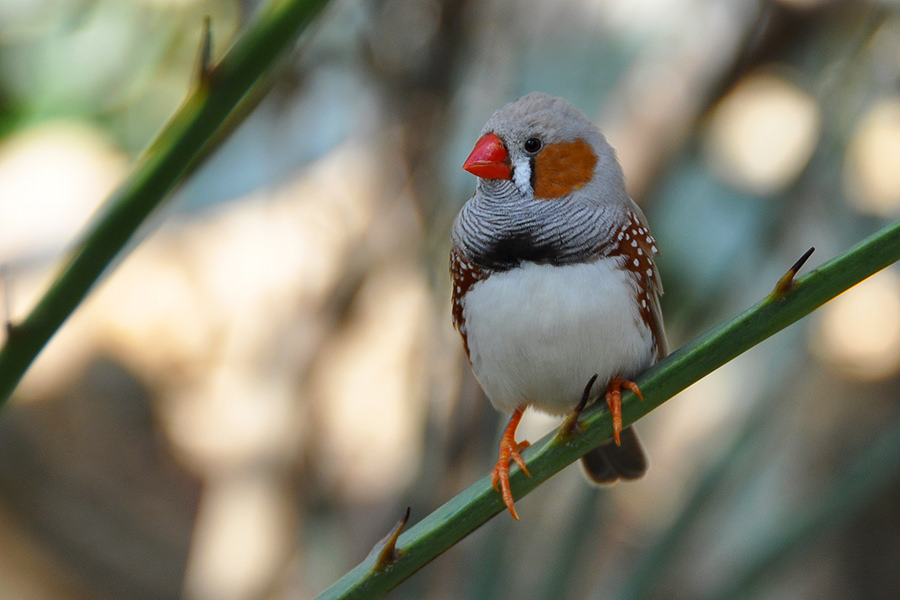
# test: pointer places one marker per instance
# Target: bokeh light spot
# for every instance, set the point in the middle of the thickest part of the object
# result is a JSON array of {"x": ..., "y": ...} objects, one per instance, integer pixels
[
  {"x": 859, "y": 331},
  {"x": 872, "y": 170},
  {"x": 762, "y": 134}
]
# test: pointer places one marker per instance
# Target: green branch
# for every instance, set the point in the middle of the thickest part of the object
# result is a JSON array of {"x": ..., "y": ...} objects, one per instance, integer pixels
[
  {"x": 269, "y": 36},
  {"x": 474, "y": 506}
]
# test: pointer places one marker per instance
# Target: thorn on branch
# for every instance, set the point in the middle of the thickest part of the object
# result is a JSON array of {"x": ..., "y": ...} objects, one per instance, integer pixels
[
  {"x": 570, "y": 427},
  {"x": 203, "y": 68},
  {"x": 6, "y": 282},
  {"x": 786, "y": 283},
  {"x": 388, "y": 552}
]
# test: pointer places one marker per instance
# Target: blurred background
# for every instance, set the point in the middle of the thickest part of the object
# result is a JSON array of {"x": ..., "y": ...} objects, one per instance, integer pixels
[{"x": 269, "y": 376}]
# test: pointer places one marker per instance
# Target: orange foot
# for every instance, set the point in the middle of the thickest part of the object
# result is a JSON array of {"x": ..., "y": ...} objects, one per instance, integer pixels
[
  {"x": 509, "y": 450},
  {"x": 614, "y": 401}
]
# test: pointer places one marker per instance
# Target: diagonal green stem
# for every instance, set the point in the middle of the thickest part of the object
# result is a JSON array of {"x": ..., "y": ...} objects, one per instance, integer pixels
[
  {"x": 269, "y": 36},
  {"x": 474, "y": 506}
]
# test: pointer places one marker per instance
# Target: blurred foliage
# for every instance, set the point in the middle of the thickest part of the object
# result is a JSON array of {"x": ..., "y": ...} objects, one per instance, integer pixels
[
  {"x": 119, "y": 65},
  {"x": 282, "y": 334}
]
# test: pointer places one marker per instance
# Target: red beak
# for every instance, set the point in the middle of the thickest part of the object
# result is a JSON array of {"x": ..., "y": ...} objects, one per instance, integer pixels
[{"x": 489, "y": 159}]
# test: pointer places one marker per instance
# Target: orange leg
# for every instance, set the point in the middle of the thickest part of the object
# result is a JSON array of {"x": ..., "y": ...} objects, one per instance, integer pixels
[
  {"x": 614, "y": 401},
  {"x": 509, "y": 450}
]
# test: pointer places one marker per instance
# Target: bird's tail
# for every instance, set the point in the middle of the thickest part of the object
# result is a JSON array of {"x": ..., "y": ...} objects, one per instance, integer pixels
[{"x": 608, "y": 462}]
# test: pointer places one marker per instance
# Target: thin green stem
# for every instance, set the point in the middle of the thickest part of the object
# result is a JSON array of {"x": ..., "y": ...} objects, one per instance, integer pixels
[
  {"x": 270, "y": 35},
  {"x": 474, "y": 506}
]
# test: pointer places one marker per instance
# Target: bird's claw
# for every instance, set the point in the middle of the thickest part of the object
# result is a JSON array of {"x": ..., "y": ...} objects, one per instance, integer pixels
[
  {"x": 614, "y": 401},
  {"x": 500, "y": 474},
  {"x": 510, "y": 450}
]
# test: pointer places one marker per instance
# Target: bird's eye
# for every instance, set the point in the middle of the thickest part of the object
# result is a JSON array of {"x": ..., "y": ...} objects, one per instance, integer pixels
[{"x": 533, "y": 145}]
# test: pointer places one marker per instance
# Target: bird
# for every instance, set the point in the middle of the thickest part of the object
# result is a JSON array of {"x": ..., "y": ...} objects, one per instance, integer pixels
[{"x": 554, "y": 279}]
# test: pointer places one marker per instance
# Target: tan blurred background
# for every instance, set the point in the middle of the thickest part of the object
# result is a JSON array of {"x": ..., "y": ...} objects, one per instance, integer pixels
[{"x": 255, "y": 393}]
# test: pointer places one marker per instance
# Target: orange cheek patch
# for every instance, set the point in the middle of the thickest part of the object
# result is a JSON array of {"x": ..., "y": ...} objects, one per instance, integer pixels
[{"x": 563, "y": 168}]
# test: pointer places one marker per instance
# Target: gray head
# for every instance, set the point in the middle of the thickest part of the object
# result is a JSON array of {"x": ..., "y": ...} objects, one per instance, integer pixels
[{"x": 549, "y": 149}]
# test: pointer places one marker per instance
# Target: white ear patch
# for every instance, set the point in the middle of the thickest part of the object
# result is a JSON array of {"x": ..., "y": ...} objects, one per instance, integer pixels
[{"x": 522, "y": 177}]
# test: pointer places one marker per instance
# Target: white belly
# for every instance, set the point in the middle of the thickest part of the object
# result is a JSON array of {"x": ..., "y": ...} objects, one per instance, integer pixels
[{"x": 538, "y": 333}]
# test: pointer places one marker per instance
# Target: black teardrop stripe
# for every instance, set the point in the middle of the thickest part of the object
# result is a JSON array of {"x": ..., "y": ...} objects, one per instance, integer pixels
[{"x": 531, "y": 178}]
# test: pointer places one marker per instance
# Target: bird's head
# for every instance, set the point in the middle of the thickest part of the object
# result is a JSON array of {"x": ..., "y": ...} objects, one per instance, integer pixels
[{"x": 548, "y": 149}]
